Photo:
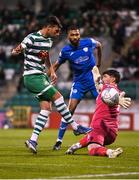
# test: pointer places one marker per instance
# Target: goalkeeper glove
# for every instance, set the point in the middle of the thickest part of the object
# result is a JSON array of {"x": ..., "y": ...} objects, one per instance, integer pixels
[
  {"x": 97, "y": 78},
  {"x": 125, "y": 102},
  {"x": 96, "y": 73}
]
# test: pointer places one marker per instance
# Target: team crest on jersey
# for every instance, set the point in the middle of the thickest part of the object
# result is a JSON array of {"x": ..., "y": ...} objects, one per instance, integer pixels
[
  {"x": 85, "y": 49},
  {"x": 74, "y": 91}
]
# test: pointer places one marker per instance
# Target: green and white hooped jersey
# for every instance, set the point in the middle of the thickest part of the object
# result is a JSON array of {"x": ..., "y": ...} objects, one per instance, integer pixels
[{"x": 33, "y": 44}]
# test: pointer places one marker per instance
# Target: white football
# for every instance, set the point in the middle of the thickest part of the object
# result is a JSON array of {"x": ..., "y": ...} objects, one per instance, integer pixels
[{"x": 110, "y": 96}]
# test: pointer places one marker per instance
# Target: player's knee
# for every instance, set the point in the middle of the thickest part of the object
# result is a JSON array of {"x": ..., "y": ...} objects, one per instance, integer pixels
[
  {"x": 91, "y": 152},
  {"x": 45, "y": 105},
  {"x": 92, "y": 148}
]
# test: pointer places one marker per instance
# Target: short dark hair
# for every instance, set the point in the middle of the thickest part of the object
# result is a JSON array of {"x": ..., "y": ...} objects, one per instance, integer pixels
[
  {"x": 113, "y": 73},
  {"x": 53, "y": 20},
  {"x": 72, "y": 27}
]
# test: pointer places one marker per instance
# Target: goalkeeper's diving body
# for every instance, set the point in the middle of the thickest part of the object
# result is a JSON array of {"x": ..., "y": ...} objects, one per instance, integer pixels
[
  {"x": 35, "y": 47},
  {"x": 80, "y": 53},
  {"x": 104, "y": 121}
]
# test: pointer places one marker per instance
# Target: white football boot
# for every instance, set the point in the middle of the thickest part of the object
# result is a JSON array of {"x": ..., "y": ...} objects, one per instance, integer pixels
[{"x": 114, "y": 153}]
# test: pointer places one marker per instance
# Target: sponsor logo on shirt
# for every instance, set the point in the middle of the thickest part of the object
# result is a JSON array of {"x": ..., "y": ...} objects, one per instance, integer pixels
[{"x": 81, "y": 59}]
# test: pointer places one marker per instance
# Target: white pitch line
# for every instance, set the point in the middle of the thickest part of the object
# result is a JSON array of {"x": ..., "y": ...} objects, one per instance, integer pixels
[
  {"x": 45, "y": 164},
  {"x": 97, "y": 175}
]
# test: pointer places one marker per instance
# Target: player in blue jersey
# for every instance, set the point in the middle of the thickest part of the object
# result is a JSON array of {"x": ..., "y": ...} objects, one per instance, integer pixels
[{"x": 80, "y": 54}]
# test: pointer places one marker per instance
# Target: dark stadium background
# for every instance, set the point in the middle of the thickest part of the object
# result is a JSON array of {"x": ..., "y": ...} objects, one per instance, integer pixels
[{"x": 114, "y": 23}]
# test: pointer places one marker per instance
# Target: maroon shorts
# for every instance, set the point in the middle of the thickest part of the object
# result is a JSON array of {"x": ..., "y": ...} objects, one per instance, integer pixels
[
  {"x": 99, "y": 136},
  {"x": 102, "y": 137},
  {"x": 102, "y": 134}
]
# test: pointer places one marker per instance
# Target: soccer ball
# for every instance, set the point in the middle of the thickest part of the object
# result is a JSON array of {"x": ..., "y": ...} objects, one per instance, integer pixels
[{"x": 110, "y": 96}]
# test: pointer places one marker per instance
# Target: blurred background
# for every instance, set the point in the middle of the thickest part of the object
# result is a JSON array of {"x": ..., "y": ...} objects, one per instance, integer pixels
[{"x": 114, "y": 23}]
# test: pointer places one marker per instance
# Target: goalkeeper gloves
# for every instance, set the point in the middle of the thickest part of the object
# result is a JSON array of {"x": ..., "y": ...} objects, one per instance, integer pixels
[
  {"x": 125, "y": 102},
  {"x": 96, "y": 73},
  {"x": 97, "y": 78}
]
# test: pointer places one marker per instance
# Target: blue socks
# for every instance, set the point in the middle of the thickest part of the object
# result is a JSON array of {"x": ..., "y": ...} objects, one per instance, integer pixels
[{"x": 62, "y": 129}]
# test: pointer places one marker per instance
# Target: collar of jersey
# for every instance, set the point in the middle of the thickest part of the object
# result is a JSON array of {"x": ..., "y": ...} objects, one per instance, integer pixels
[{"x": 43, "y": 36}]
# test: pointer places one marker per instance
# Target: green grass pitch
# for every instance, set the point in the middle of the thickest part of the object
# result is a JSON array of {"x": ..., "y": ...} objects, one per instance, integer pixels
[{"x": 17, "y": 162}]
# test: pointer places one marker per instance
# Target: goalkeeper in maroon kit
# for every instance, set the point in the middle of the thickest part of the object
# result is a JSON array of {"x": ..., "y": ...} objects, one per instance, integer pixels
[{"x": 104, "y": 121}]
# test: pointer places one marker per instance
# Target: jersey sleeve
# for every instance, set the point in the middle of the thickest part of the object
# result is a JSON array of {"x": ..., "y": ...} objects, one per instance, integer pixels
[
  {"x": 27, "y": 41},
  {"x": 62, "y": 57},
  {"x": 93, "y": 43}
]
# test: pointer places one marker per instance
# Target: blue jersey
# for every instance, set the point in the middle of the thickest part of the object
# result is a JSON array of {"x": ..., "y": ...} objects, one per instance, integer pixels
[{"x": 81, "y": 59}]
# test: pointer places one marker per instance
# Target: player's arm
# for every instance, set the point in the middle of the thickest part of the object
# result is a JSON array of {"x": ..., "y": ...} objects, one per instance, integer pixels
[
  {"x": 44, "y": 55},
  {"x": 17, "y": 50},
  {"x": 99, "y": 53},
  {"x": 56, "y": 65},
  {"x": 97, "y": 78},
  {"x": 22, "y": 46}
]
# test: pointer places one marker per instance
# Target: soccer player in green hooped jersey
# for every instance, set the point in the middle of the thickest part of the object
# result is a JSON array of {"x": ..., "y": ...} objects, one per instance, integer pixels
[{"x": 35, "y": 47}]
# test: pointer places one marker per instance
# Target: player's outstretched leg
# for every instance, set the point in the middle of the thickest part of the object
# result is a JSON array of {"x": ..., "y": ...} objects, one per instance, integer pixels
[
  {"x": 74, "y": 148},
  {"x": 81, "y": 130},
  {"x": 98, "y": 150},
  {"x": 65, "y": 113}
]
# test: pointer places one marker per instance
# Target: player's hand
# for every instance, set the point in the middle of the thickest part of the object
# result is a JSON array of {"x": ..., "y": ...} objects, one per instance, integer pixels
[
  {"x": 125, "y": 102},
  {"x": 96, "y": 74},
  {"x": 43, "y": 55},
  {"x": 97, "y": 78},
  {"x": 17, "y": 50},
  {"x": 53, "y": 78}
]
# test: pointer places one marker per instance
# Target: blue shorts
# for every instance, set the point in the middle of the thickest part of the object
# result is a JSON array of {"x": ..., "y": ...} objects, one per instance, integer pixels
[{"x": 79, "y": 90}]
